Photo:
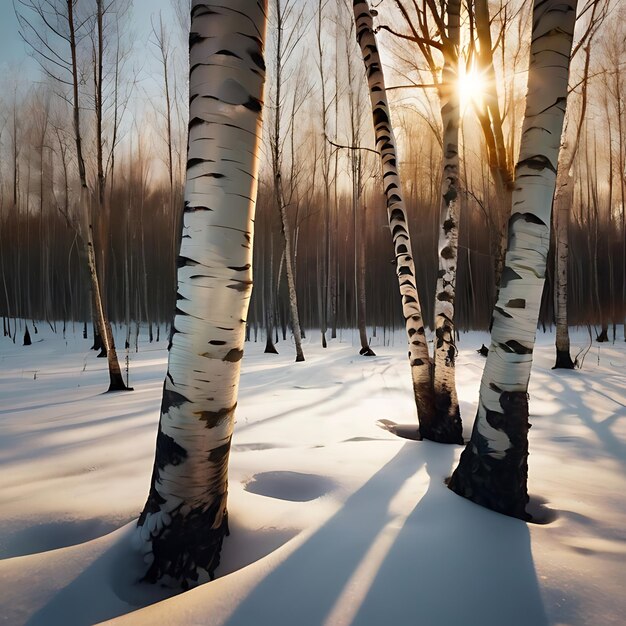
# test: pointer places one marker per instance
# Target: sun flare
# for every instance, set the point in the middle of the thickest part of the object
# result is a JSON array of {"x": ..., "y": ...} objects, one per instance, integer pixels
[{"x": 471, "y": 86}]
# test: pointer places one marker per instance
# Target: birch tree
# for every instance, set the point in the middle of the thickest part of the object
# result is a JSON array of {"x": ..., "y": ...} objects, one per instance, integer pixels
[
  {"x": 445, "y": 79},
  {"x": 564, "y": 194},
  {"x": 405, "y": 267},
  {"x": 285, "y": 44},
  {"x": 55, "y": 47},
  {"x": 185, "y": 519},
  {"x": 493, "y": 468}
]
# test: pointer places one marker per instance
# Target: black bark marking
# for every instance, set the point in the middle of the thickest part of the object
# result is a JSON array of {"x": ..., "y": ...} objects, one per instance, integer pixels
[
  {"x": 253, "y": 104},
  {"x": 217, "y": 342},
  {"x": 516, "y": 303},
  {"x": 195, "y": 38},
  {"x": 196, "y": 121},
  {"x": 502, "y": 312},
  {"x": 508, "y": 275},
  {"x": 233, "y": 355},
  {"x": 514, "y": 346},
  {"x": 197, "y": 161},
  {"x": 183, "y": 261},
  {"x": 193, "y": 209},
  {"x": 240, "y": 285},
  {"x": 537, "y": 162},
  {"x": 447, "y": 253},
  {"x": 171, "y": 399},
  {"x": 243, "y": 268},
  {"x": 228, "y": 53},
  {"x": 531, "y": 218},
  {"x": 448, "y": 225},
  {"x": 215, "y": 418},
  {"x": 450, "y": 196},
  {"x": 397, "y": 214}
]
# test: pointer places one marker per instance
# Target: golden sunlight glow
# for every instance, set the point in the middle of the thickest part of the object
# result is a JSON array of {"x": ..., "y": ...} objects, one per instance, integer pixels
[{"x": 471, "y": 86}]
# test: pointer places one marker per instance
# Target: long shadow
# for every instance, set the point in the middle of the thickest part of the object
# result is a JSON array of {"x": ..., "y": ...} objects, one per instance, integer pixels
[
  {"x": 304, "y": 588},
  {"x": 580, "y": 404},
  {"x": 455, "y": 563}
]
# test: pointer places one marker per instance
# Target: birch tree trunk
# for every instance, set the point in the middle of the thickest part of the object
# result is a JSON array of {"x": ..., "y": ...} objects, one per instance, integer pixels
[
  {"x": 184, "y": 520},
  {"x": 398, "y": 225},
  {"x": 447, "y": 426},
  {"x": 493, "y": 468},
  {"x": 283, "y": 50},
  {"x": 562, "y": 202}
]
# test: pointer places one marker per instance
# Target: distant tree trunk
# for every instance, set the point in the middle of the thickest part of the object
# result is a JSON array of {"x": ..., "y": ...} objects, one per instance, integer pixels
[
  {"x": 291, "y": 282},
  {"x": 27, "y": 339},
  {"x": 359, "y": 236},
  {"x": 405, "y": 268},
  {"x": 447, "y": 426},
  {"x": 185, "y": 520},
  {"x": 268, "y": 301},
  {"x": 279, "y": 195},
  {"x": 493, "y": 468},
  {"x": 323, "y": 259},
  {"x": 116, "y": 380},
  {"x": 562, "y": 203}
]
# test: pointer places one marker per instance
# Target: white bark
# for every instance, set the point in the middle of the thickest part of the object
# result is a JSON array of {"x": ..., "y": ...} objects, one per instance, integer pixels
[
  {"x": 185, "y": 519},
  {"x": 493, "y": 467},
  {"x": 517, "y": 310},
  {"x": 398, "y": 224},
  {"x": 444, "y": 384}
]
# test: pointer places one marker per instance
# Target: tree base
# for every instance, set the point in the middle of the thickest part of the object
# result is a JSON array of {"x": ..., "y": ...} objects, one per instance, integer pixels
[
  {"x": 563, "y": 360},
  {"x": 117, "y": 384},
  {"x": 483, "y": 350},
  {"x": 603, "y": 336},
  {"x": 299, "y": 358},
  {"x": 446, "y": 430},
  {"x": 499, "y": 484},
  {"x": 186, "y": 546},
  {"x": 27, "y": 339},
  {"x": 270, "y": 348},
  {"x": 367, "y": 351},
  {"x": 445, "y": 426}
]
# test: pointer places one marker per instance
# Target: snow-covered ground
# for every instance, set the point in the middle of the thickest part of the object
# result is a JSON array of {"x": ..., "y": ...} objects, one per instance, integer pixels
[{"x": 333, "y": 520}]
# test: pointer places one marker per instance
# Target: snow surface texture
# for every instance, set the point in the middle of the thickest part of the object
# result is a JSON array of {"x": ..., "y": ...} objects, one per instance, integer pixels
[{"x": 333, "y": 520}]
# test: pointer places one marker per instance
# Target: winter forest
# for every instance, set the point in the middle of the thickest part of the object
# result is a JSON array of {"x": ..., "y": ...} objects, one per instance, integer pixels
[{"x": 285, "y": 285}]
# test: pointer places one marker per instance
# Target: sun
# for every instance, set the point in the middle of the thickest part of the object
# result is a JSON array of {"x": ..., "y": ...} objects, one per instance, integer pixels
[{"x": 471, "y": 86}]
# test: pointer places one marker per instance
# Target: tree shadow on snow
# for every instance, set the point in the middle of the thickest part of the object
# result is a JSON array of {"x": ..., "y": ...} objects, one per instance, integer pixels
[
  {"x": 478, "y": 562},
  {"x": 111, "y": 585}
]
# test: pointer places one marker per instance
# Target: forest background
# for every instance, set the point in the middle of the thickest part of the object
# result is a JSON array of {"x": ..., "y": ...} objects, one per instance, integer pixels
[{"x": 335, "y": 209}]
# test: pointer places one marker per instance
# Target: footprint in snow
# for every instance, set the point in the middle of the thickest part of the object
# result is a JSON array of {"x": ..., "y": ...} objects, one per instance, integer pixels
[{"x": 292, "y": 486}]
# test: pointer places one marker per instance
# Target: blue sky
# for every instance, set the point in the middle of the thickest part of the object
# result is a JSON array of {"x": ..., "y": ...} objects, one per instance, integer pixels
[{"x": 13, "y": 53}]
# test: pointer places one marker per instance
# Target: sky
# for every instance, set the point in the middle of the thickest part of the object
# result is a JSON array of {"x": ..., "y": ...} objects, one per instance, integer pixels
[{"x": 13, "y": 52}]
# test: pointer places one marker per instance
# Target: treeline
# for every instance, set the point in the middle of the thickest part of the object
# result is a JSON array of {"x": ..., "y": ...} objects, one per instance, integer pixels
[{"x": 44, "y": 270}]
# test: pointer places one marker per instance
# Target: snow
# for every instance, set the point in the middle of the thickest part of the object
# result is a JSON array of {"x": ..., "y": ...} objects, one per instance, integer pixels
[{"x": 333, "y": 520}]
